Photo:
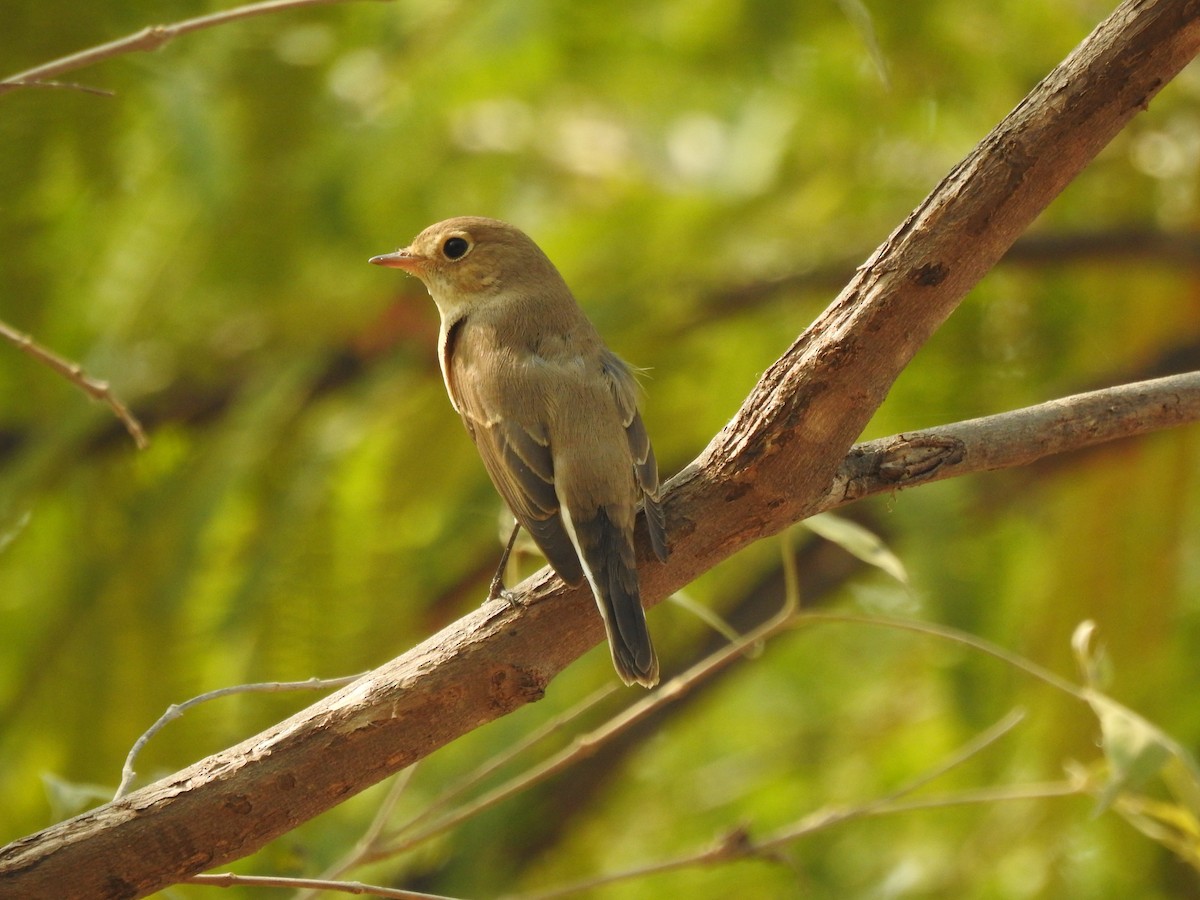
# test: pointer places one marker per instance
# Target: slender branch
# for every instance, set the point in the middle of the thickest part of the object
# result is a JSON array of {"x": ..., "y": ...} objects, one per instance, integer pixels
[
  {"x": 59, "y": 85},
  {"x": 946, "y": 633},
  {"x": 176, "y": 710},
  {"x": 478, "y": 777},
  {"x": 588, "y": 744},
  {"x": 370, "y": 838},
  {"x": 739, "y": 844},
  {"x": 73, "y": 372},
  {"x": 1014, "y": 438},
  {"x": 230, "y": 879},
  {"x": 150, "y": 38},
  {"x": 770, "y": 467}
]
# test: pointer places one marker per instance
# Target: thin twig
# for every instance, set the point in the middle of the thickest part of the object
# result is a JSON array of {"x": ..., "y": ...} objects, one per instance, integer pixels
[
  {"x": 587, "y": 744},
  {"x": 959, "y": 637},
  {"x": 149, "y": 38},
  {"x": 61, "y": 86},
  {"x": 370, "y": 837},
  {"x": 366, "y": 851},
  {"x": 496, "y": 762},
  {"x": 973, "y": 747},
  {"x": 73, "y": 372},
  {"x": 229, "y": 879},
  {"x": 738, "y": 844},
  {"x": 373, "y": 845},
  {"x": 825, "y": 818},
  {"x": 176, "y": 710}
]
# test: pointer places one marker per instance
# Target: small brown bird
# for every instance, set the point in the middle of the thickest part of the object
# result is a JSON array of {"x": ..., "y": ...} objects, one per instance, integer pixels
[{"x": 553, "y": 413}]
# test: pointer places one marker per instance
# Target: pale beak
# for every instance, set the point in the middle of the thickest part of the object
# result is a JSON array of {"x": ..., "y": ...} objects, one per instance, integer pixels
[{"x": 401, "y": 259}]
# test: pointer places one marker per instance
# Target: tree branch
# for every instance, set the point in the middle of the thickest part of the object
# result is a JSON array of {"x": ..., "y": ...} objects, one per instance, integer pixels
[
  {"x": 149, "y": 38},
  {"x": 775, "y": 463},
  {"x": 1014, "y": 438},
  {"x": 73, "y": 372}
]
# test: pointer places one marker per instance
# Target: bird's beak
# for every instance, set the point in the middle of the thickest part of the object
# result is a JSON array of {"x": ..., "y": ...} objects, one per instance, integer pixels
[{"x": 401, "y": 259}]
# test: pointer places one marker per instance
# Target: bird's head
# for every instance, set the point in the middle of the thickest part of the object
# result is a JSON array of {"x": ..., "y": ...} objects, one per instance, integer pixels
[{"x": 469, "y": 259}]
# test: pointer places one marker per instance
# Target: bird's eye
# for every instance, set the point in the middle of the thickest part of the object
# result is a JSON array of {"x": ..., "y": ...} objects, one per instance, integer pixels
[{"x": 455, "y": 248}]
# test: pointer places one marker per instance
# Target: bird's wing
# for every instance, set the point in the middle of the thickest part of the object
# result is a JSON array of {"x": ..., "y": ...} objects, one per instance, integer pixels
[
  {"x": 645, "y": 466},
  {"x": 518, "y": 459}
]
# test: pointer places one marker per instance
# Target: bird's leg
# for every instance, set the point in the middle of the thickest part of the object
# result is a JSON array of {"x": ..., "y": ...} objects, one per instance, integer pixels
[{"x": 497, "y": 588}]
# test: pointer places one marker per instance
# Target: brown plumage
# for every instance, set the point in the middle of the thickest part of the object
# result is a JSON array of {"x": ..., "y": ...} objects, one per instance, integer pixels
[{"x": 551, "y": 409}]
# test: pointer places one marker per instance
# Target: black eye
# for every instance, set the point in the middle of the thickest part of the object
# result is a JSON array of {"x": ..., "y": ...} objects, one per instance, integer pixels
[{"x": 455, "y": 248}]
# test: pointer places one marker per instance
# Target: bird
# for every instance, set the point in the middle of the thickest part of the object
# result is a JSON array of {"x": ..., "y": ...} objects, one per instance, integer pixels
[{"x": 553, "y": 413}]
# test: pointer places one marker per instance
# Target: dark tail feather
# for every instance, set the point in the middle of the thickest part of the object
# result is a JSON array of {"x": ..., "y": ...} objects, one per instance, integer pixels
[{"x": 611, "y": 569}]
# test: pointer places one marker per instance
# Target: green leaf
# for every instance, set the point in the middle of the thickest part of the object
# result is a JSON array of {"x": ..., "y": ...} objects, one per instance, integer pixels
[
  {"x": 858, "y": 542},
  {"x": 1135, "y": 748},
  {"x": 70, "y": 797}
]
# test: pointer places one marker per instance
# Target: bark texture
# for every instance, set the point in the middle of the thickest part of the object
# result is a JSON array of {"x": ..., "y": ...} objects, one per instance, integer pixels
[{"x": 775, "y": 463}]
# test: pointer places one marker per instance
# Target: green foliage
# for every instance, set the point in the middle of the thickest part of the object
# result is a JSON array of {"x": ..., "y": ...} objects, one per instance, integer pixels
[{"x": 311, "y": 506}]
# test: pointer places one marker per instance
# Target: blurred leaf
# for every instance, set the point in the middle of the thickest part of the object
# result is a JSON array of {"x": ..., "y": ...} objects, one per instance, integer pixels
[
  {"x": 67, "y": 798},
  {"x": 1175, "y": 827},
  {"x": 10, "y": 533},
  {"x": 1136, "y": 750},
  {"x": 710, "y": 618},
  {"x": 859, "y": 542},
  {"x": 856, "y": 11},
  {"x": 1094, "y": 663}
]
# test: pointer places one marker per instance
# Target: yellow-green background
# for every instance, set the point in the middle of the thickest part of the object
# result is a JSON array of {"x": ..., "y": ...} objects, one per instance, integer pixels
[{"x": 310, "y": 504}]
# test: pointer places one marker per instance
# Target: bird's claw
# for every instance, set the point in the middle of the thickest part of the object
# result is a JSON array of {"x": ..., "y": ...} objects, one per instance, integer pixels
[{"x": 499, "y": 592}]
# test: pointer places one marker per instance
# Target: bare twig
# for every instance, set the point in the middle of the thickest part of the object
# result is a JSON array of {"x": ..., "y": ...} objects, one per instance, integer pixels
[
  {"x": 73, "y": 372},
  {"x": 587, "y": 744},
  {"x": 947, "y": 633},
  {"x": 374, "y": 844},
  {"x": 508, "y": 754},
  {"x": 823, "y": 819},
  {"x": 150, "y": 38},
  {"x": 370, "y": 837},
  {"x": 61, "y": 86},
  {"x": 739, "y": 844},
  {"x": 176, "y": 710},
  {"x": 229, "y": 879}
]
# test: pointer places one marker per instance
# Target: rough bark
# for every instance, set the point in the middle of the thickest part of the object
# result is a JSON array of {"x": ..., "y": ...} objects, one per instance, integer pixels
[{"x": 775, "y": 463}]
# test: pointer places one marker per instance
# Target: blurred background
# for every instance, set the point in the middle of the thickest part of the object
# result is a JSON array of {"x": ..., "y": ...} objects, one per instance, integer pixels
[{"x": 706, "y": 175}]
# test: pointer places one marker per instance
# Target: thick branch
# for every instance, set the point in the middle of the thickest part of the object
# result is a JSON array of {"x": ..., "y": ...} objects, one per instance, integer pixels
[{"x": 772, "y": 465}]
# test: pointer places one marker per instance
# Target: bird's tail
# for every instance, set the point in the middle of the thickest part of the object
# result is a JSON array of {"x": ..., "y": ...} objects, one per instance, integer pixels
[{"x": 611, "y": 569}]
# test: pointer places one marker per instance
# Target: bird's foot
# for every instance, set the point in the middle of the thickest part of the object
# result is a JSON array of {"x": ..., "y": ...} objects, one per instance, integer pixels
[{"x": 497, "y": 591}]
